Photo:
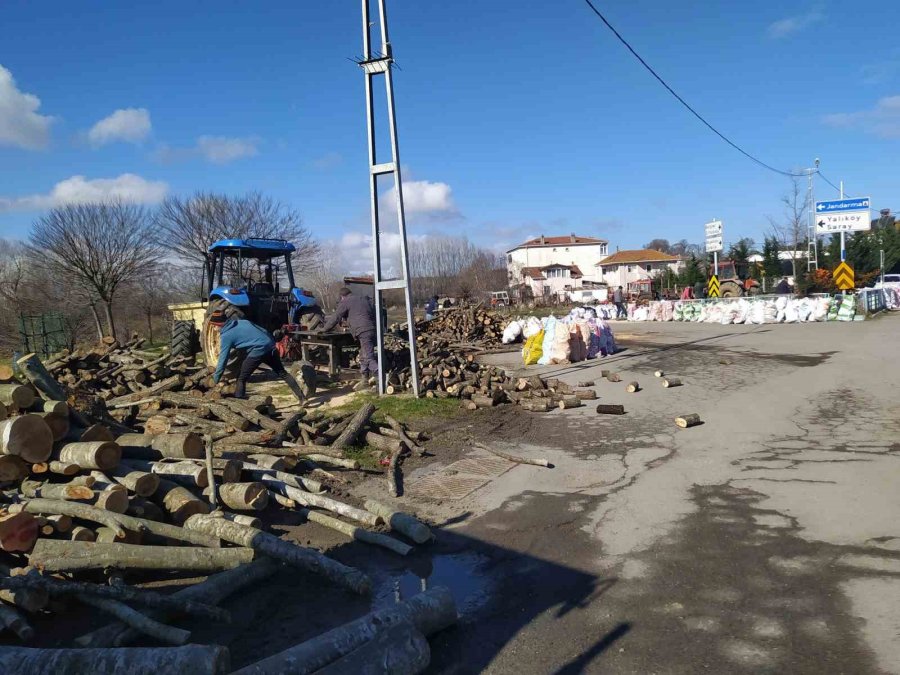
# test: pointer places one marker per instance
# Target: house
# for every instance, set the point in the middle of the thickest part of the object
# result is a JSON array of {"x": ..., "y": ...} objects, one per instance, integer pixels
[
  {"x": 552, "y": 265},
  {"x": 634, "y": 267}
]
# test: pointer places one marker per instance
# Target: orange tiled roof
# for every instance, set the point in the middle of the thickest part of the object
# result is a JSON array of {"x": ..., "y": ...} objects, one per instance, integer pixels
[
  {"x": 571, "y": 239},
  {"x": 637, "y": 256}
]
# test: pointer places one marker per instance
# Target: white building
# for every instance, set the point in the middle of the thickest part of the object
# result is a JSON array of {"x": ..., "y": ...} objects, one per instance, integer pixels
[
  {"x": 635, "y": 267},
  {"x": 552, "y": 265}
]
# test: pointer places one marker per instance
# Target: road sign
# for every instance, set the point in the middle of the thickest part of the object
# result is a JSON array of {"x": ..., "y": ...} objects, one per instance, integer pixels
[
  {"x": 714, "y": 242},
  {"x": 712, "y": 288},
  {"x": 843, "y": 277},
  {"x": 843, "y": 215}
]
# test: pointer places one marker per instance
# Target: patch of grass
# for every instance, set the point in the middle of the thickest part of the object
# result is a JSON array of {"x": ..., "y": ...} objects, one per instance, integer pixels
[
  {"x": 403, "y": 407},
  {"x": 367, "y": 456}
]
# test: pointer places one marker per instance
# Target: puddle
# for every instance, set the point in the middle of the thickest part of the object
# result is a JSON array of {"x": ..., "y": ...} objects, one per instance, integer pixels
[{"x": 463, "y": 573}]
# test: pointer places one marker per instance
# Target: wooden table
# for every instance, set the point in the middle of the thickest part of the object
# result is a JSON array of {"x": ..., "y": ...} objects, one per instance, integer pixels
[{"x": 333, "y": 343}]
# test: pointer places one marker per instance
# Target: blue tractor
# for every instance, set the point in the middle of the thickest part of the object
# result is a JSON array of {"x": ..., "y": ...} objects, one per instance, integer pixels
[{"x": 246, "y": 279}]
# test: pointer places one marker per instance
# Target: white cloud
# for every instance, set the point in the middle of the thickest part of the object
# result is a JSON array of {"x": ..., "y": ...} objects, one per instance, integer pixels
[
  {"x": 883, "y": 120},
  {"x": 793, "y": 24},
  {"x": 423, "y": 198},
  {"x": 214, "y": 149},
  {"x": 130, "y": 125},
  {"x": 20, "y": 123},
  {"x": 78, "y": 189}
]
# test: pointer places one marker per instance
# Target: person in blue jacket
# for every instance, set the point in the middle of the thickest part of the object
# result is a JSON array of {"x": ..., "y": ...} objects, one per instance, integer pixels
[{"x": 259, "y": 347}]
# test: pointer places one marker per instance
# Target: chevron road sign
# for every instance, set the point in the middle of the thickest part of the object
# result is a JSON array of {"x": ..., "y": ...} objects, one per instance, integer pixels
[
  {"x": 843, "y": 277},
  {"x": 712, "y": 288}
]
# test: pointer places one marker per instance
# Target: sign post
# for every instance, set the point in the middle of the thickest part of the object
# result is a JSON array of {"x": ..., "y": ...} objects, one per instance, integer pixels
[
  {"x": 840, "y": 216},
  {"x": 714, "y": 242}
]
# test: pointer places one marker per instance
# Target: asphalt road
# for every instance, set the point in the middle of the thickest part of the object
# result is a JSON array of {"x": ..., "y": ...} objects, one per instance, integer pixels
[{"x": 765, "y": 540}]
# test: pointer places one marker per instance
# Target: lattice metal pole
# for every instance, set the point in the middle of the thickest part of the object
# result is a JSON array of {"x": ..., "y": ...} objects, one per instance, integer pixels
[{"x": 374, "y": 65}]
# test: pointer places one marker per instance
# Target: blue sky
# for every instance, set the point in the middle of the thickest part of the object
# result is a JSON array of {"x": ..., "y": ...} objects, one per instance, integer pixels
[{"x": 515, "y": 118}]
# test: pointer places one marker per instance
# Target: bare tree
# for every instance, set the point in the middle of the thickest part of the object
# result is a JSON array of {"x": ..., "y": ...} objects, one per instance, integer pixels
[
  {"x": 96, "y": 248},
  {"x": 189, "y": 225},
  {"x": 661, "y": 245},
  {"x": 791, "y": 232},
  {"x": 321, "y": 276}
]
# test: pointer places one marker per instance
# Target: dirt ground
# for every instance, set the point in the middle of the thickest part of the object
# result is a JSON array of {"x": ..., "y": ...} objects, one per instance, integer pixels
[{"x": 766, "y": 540}]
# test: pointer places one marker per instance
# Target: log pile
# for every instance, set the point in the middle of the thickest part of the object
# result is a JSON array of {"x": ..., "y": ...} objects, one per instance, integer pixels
[
  {"x": 473, "y": 326},
  {"x": 179, "y": 484}
]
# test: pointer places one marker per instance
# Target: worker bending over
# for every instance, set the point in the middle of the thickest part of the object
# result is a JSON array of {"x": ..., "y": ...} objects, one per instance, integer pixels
[
  {"x": 259, "y": 346},
  {"x": 360, "y": 315}
]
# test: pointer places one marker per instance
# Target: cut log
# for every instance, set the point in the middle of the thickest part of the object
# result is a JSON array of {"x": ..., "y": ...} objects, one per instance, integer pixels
[
  {"x": 61, "y": 523},
  {"x": 632, "y": 387},
  {"x": 690, "y": 420},
  {"x": 6, "y": 373},
  {"x": 96, "y": 432},
  {"x": 268, "y": 462},
  {"x": 357, "y": 533},
  {"x": 138, "y": 621},
  {"x": 382, "y": 442},
  {"x": 614, "y": 377},
  {"x": 194, "y": 474},
  {"x": 63, "y": 468},
  {"x": 180, "y": 502},
  {"x": 212, "y": 590},
  {"x": 101, "y": 455},
  {"x": 586, "y": 394},
  {"x": 536, "y": 405},
  {"x": 12, "y": 469},
  {"x": 34, "y": 370},
  {"x": 110, "y": 495},
  {"x": 399, "y": 648},
  {"x": 172, "y": 446},
  {"x": 10, "y": 619},
  {"x": 73, "y": 510},
  {"x": 80, "y": 533},
  {"x": 569, "y": 402},
  {"x": 27, "y": 436},
  {"x": 354, "y": 427},
  {"x": 300, "y": 482},
  {"x": 16, "y": 396},
  {"x": 71, "y": 556},
  {"x": 167, "y": 384},
  {"x": 484, "y": 401},
  {"x": 158, "y": 424},
  {"x": 671, "y": 382},
  {"x": 244, "y": 496},
  {"x": 514, "y": 458},
  {"x": 587, "y": 383},
  {"x": 610, "y": 409},
  {"x": 270, "y": 545},
  {"x": 321, "y": 502},
  {"x": 140, "y": 483},
  {"x": 139, "y": 507},
  {"x": 62, "y": 491},
  {"x": 60, "y": 408},
  {"x": 120, "y": 592},
  {"x": 658, "y": 373},
  {"x": 229, "y": 470},
  {"x": 401, "y": 432},
  {"x": 404, "y": 523},
  {"x": 210, "y": 475},
  {"x": 430, "y": 612},
  {"x": 239, "y": 518},
  {"x": 106, "y": 535},
  {"x": 334, "y": 461},
  {"x": 18, "y": 532},
  {"x": 194, "y": 659}
]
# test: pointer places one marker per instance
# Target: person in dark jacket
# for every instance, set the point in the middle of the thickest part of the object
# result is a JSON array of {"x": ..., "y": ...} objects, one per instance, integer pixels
[
  {"x": 359, "y": 313},
  {"x": 431, "y": 307},
  {"x": 259, "y": 347},
  {"x": 783, "y": 287},
  {"x": 619, "y": 301}
]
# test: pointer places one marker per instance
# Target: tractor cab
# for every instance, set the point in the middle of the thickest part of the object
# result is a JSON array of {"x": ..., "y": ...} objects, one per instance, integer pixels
[{"x": 252, "y": 279}]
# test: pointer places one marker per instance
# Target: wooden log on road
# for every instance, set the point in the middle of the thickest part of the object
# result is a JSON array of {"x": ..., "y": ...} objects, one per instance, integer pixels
[
  {"x": 610, "y": 409},
  {"x": 586, "y": 394},
  {"x": 514, "y": 458},
  {"x": 269, "y": 544},
  {"x": 27, "y": 436},
  {"x": 614, "y": 377},
  {"x": 632, "y": 387},
  {"x": 430, "y": 612},
  {"x": 670, "y": 382},
  {"x": 72, "y": 556},
  {"x": 685, "y": 421},
  {"x": 571, "y": 401},
  {"x": 401, "y": 522},
  {"x": 194, "y": 659},
  {"x": 658, "y": 373}
]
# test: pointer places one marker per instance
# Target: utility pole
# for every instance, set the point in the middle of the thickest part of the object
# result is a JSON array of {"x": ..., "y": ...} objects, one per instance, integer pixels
[
  {"x": 373, "y": 65},
  {"x": 812, "y": 256},
  {"x": 843, "y": 234}
]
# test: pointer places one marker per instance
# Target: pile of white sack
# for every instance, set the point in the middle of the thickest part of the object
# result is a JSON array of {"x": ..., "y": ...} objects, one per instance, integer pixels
[
  {"x": 580, "y": 335},
  {"x": 749, "y": 310}
]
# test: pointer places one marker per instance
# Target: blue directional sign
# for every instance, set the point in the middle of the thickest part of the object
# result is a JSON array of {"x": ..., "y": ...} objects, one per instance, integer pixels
[{"x": 838, "y": 205}]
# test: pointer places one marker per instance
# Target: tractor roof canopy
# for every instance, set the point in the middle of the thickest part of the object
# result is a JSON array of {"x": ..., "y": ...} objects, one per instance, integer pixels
[{"x": 261, "y": 249}]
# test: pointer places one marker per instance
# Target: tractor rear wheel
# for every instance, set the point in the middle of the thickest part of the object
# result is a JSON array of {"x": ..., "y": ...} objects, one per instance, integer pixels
[
  {"x": 184, "y": 339},
  {"x": 209, "y": 337},
  {"x": 730, "y": 289}
]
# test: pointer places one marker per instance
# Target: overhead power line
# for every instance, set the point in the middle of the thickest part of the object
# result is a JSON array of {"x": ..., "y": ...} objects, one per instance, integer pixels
[
  {"x": 685, "y": 103},
  {"x": 822, "y": 176}
]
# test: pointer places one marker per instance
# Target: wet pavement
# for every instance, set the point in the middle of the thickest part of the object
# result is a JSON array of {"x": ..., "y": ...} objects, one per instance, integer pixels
[{"x": 765, "y": 540}]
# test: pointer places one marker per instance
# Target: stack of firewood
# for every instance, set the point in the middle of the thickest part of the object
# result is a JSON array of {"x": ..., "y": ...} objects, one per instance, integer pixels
[
  {"x": 180, "y": 483},
  {"x": 112, "y": 370},
  {"x": 472, "y": 326}
]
